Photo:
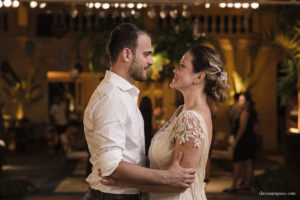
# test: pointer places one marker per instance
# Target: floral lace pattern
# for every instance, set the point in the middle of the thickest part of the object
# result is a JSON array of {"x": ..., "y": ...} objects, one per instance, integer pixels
[{"x": 189, "y": 126}]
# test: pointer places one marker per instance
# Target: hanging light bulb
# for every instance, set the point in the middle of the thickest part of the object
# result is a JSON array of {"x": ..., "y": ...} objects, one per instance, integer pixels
[
  {"x": 106, "y": 6},
  {"x": 33, "y": 4},
  {"x": 7, "y": 3},
  {"x": 237, "y": 5},
  {"x": 15, "y": 4},
  {"x": 43, "y": 5},
  {"x": 130, "y": 5},
  {"x": 139, "y": 6},
  {"x": 1, "y": 4},
  {"x": 229, "y": 5},
  {"x": 222, "y": 5},
  {"x": 90, "y": 5},
  {"x": 97, "y": 5},
  {"x": 207, "y": 5},
  {"x": 116, "y": 5},
  {"x": 254, "y": 5},
  {"x": 245, "y": 5}
]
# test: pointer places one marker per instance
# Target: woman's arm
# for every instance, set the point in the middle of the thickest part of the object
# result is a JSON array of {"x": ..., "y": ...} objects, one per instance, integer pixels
[
  {"x": 190, "y": 159},
  {"x": 175, "y": 176}
]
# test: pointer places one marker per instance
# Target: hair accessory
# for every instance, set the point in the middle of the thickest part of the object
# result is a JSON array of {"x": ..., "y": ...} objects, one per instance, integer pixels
[{"x": 223, "y": 74}]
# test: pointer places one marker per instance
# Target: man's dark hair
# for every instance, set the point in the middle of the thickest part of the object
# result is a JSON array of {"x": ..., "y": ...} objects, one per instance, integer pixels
[{"x": 123, "y": 36}]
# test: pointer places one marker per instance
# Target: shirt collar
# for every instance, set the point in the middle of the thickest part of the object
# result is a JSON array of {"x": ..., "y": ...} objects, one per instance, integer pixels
[{"x": 121, "y": 83}]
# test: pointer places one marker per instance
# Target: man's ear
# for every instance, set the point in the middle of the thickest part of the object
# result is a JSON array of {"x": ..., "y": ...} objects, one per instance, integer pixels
[{"x": 126, "y": 54}]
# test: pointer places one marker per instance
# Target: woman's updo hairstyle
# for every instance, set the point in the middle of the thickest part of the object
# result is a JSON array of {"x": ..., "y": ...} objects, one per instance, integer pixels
[{"x": 209, "y": 61}]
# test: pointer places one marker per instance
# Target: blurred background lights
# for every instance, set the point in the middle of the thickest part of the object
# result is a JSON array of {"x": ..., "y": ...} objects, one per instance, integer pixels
[
  {"x": 229, "y": 5},
  {"x": 139, "y": 6},
  {"x": 33, "y": 4},
  {"x": 245, "y": 5},
  {"x": 254, "y": 5},
  {"x": 130, "y": 5},
  {"x": 237, "y": 5},
  {"x": 15, "y": 4},
  {"x": 123, "y": 5},
  {"x": 43, "y": 5},
  {"x": 7, "y": 3},
  {"x": 91, "y": 5},
  {"x": 207, "y": 5},
  {"x": 222, "y": 5},
  {"x": 97, "y": 5},
  {"x": 106, "y": 6}
]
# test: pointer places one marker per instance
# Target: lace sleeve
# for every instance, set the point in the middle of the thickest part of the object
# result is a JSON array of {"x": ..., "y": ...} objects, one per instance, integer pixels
[{"x": 189, "y": 126}]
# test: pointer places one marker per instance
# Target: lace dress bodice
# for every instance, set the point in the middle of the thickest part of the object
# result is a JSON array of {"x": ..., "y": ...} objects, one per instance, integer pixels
[{"x": 184, "y": 126}]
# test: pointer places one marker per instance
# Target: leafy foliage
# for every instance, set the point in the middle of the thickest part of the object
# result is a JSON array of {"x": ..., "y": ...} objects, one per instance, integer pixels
[
  {"x": 287, "y": 83},
  {"x": 23, "y": 92},
  {"x": 285, "y": 37}
]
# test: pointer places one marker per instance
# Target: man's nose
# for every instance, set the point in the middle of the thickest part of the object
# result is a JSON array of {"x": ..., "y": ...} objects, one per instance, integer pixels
[{"x": 151, "y": 61}]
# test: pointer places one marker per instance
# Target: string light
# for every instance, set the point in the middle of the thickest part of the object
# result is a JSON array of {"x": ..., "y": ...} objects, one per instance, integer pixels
[
  {"x": 33, "y": 4},
  {"x": 245, "y": 5},
  {"x": 15, "y": 4},
  {"x": 97, "y": 5},
  {"x": 43, "y": 5},
  {"x": 254, "y": 5},
  {"x": 222, "y": 5},
  {"x": 7, "y": 3}
]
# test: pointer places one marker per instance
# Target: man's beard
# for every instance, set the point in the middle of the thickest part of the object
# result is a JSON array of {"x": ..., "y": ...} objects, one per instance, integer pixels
[{"x": 136, "y": 71}]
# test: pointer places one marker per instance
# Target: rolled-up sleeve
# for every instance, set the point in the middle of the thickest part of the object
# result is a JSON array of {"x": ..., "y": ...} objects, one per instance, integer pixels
[{"x": 105, "y": 132}]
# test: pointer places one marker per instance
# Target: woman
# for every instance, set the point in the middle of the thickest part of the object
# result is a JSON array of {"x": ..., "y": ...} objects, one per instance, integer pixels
[
  {"x": 244, "y": 128},
  {"x": 202, "y": 81}
]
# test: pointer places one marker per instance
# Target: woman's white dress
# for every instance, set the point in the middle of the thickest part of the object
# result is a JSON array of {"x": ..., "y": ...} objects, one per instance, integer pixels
[{"x": 183, "y": 125}]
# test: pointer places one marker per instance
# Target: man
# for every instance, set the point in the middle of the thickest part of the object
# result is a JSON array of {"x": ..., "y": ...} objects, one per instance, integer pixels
[{"x": 114, "y": 126}]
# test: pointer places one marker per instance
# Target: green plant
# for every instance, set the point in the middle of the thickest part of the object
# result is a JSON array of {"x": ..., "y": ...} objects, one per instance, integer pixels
[
  {"x": 22, "y": 92},
  {"x": 172, "y": 40},
  {"x": 284, "y": 37}
]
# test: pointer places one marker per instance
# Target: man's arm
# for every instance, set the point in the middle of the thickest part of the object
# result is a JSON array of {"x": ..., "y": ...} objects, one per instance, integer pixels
[{"x": 176, "y": 176}]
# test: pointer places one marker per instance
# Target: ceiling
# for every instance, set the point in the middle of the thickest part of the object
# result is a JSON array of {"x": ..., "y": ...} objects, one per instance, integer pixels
[{"x": 274, "y": 2}]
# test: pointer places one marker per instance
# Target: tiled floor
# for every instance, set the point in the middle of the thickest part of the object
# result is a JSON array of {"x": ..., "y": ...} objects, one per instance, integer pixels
[{"x": 60, "y": 179}]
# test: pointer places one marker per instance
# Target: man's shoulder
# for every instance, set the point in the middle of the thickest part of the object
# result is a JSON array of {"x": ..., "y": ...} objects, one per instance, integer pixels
[{"x": 107, "y": 89}]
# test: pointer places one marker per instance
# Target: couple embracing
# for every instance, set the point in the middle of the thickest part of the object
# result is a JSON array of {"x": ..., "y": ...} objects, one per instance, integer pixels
[{"x": 114, "y": 127}]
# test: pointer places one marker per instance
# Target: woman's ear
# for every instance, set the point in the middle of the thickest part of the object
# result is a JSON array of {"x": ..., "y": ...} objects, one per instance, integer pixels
[{"x": 199, "y": 77}]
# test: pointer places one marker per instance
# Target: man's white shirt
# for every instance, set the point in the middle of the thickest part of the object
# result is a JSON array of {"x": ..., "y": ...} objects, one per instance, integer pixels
[{"x": 114, "y": 130}]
